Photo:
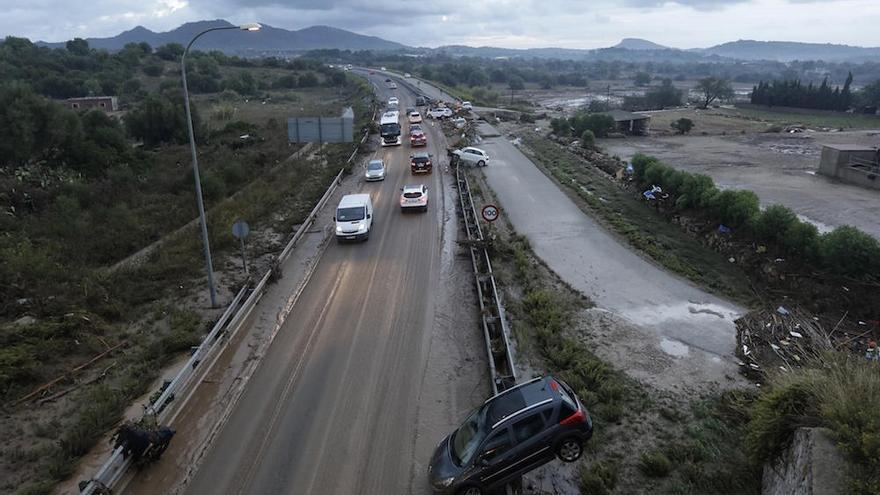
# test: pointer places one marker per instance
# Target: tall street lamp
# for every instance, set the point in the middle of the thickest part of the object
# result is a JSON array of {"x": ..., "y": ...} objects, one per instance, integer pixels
[{"x": 253, "y": 26}]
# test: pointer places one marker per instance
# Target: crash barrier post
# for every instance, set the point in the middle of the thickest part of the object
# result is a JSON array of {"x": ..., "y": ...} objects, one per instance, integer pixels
[{"x": 114, "y": 468}]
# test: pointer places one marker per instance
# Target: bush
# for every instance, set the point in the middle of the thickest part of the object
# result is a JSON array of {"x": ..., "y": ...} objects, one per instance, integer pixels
[
  {"x": 682, "y": 125},
  {"x": 588, "y": 139},
  {"x": 655, "y": 464},
  {"x": 598, "y": 479},
  {"x": 851, "y": 252},
  {"x": 736, "y": 208},
  {"x": 640, "y": 162},
  {"x": 773, "y": 224}
]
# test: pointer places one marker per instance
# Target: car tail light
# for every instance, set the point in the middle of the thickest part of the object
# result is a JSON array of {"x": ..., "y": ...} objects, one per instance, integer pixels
[{"x": 577, "y": 417}]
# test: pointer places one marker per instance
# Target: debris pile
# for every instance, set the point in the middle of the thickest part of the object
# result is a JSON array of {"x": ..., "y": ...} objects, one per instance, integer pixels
[{"x": 779, "y": 339}]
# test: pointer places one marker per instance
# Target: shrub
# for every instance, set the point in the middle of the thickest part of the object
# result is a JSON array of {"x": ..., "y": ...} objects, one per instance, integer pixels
[
  {"x": 598, "y": 479},
  {"x": 655, "y": 464},
  {"x": 851, "y": 252},
  {"x": 696, "y": 191},
  {"x": 682, "y": 125},
  {"x": 735, "y": 208},
  {"x": 773, "y": 224},
  {"x": 802, "y": 239},
  {"x": 588, "y": 139},
  {"x": 640, "y": 162}
]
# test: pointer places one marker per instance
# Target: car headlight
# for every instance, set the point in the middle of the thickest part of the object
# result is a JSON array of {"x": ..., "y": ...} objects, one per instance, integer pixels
[
  {"x": 362, "y": 227},
  {"x": 339, "y": 229},
  {"x": 444, "y": 483}
]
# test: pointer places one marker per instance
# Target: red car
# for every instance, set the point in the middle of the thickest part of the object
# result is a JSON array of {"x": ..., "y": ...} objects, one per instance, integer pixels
[{"x": 418, "y": 138}]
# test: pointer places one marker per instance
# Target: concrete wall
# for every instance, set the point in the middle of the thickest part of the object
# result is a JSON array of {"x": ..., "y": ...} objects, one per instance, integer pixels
[
  {"x": 836, "y": 163},
  {"x": 812, "y": 466}
]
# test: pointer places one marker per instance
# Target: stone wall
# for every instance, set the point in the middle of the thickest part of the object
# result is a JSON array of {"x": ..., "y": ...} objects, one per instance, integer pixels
[{"x": 812, "y": 466}]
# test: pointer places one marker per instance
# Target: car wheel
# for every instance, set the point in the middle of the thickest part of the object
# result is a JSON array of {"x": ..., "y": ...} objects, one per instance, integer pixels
[
  {"x": 569, "y": 449},
  {"x": 481, "y": 163},
  {"x": 470, "y": 490}
]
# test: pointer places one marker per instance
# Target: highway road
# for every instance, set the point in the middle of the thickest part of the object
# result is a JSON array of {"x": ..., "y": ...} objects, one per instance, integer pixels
[{"x": 378, "y": 359}]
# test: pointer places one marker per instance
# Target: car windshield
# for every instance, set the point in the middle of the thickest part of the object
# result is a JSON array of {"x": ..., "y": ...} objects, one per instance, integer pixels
[
  {"x": 374, "y": 166},
  {"x": 468, "y": 437},
  {"x": 350, "y": 214}
]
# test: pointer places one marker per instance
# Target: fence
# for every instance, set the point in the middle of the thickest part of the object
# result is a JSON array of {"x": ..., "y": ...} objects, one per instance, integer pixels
[{"x": 114, "y": 468}]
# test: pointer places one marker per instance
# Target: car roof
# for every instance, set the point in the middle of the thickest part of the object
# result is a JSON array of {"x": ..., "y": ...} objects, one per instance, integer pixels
[
  {"x": 476, "y": 149},
  {"x": 508, "y": 403},
  {"x": 377, "y": 161},
  {"x": 354, "y": 200},
  {"x": 413, "y": 188}
]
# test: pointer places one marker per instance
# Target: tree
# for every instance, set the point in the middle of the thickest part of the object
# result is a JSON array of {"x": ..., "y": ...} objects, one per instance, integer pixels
[
  {"x": 682, "y": 125},
  {"x": 642, "y": 79},
  {"x": 714, "y": 88},
  {"x": 308, "y": 80},
  {"x": 478, "y": 78},
  {"x": 664, "y": 96},
  {"x": 588, "y": 139},
  {"x": 870, "y": 95},
  {"x": 78, "y": 46},
  {"x": 160, "y": 119},
  {"x": 514, "y": 83},
  {"x": 170, "y": 51}
]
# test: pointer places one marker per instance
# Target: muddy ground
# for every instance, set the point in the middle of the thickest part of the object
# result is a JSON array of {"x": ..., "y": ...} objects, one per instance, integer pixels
[{"x": 779, "y": 168}]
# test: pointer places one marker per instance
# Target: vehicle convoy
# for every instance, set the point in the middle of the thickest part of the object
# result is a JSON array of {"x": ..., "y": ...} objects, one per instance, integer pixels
[
  {"x": 354, "y": 218},
  {"x": 420, "y": 163},
  {"x": 375, "y": 171},
  {"x": 472, "y": 156},
  {"x": 417, "y": 136},
  {"x": 414, "y": 197},
  {"x": 389, "y": 128},
  {"x": 512, "y": 433}
]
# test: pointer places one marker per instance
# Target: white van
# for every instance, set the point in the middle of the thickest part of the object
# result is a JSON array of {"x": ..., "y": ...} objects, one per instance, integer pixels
[{"x": 354, "y": 218}]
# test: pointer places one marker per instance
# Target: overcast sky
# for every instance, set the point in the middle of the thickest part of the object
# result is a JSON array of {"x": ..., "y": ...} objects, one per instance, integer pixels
[{"x": 502, "y": 23}]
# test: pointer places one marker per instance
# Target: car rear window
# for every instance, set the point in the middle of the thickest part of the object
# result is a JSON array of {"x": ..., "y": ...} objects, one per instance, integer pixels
[
  {"x": 420, "y": 159},
  {"x": 412, "y": 195},
  {"x": 569, "y": 404}
]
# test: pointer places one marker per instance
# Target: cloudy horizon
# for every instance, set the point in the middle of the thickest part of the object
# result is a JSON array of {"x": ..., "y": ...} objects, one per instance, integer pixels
[{"x": 498, "y": 23}]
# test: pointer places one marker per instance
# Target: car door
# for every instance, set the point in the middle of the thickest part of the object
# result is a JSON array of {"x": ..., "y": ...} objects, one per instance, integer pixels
[
  {"x": 532, "y": 442},
  {"x": 495, "y": 458}
]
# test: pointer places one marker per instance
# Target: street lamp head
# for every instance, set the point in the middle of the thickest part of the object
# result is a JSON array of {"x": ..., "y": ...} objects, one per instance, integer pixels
[{"x": 251, "y": 26}]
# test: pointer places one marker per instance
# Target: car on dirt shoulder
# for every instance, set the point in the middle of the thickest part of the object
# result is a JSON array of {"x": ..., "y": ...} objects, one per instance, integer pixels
[
  {"x": 472, "y": 156},
  {"x": 420, "y": 163},
  {"x": 512, "y": 433},
  {"x": 414, "y": 197}
]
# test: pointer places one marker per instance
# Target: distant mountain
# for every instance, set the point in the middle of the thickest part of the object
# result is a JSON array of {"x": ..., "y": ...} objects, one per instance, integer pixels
[
  {"x": 639, "y": 44},
  {"x": 786, "y": 51},
  {"x": 267, "y": 41}
]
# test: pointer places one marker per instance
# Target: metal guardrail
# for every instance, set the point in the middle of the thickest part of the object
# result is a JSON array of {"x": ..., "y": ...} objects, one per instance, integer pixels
[
  {"x": 116, "y": 465},
  {"x": 501, "y": 368}
]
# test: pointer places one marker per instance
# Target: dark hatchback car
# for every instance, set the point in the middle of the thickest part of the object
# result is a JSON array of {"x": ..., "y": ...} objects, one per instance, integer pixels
[{"x": 513, "y": 432}]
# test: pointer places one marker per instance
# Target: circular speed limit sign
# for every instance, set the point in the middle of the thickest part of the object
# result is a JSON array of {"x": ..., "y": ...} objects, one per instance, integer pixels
[{"x": 490, "y": 213}]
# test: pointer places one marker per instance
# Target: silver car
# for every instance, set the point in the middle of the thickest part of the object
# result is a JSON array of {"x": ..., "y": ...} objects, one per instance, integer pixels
[{"x": 375, "y": 171}]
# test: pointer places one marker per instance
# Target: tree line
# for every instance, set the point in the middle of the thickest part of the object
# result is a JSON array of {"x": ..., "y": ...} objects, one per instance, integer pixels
[{"x": 793, "y": 93}]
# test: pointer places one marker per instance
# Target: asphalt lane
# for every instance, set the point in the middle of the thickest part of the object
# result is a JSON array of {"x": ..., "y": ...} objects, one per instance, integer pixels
[{"x": 331, "y": 407}]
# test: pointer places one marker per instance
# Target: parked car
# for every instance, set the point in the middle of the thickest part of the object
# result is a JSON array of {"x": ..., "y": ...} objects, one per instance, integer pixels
[
  {"x": 407, "y": 75},
  {"x": 417, "y": 137},
  {"x": 420, "y": 163},
  {"x": 354, "y": 217},
  {"x": 459, "y": 122},
  {"x": 375, "y": 171},
  {"x": 466, "y": 105},
  {"x": 382, "y": 68},
  {"x": 472, "y": 156},
  {"x": 415, "y": 117},
  {"x": 512, "y": 433},
  {"x": 440, "y": 112},
  {"x": 414, "y": 198}
]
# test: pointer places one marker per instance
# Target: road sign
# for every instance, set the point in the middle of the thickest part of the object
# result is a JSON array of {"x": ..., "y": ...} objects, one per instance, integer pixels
[
  {"x": 240, "y": 229},
  {"x": 490, "y": 213}
]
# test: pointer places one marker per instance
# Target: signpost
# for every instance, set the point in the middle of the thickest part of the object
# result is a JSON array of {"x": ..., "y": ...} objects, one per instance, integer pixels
[{"x": 240, "y": 230}]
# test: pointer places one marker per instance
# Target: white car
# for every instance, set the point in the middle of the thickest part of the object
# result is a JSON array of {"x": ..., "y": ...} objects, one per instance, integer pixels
[
  {"x": 472, "y": 156},
  {"x": 393, "y": 102},
  {"x": 375, "y": 171},
  {"x": 440, "y": 112},
  {"x": 466, "y": 105},
  {"x": 407, "y": 75},
  {"x": 382, "y": 68},
  {"x": 414, "y": 197},
  {"x": 459, "y": 122},
  {"x": 415, "y": 117}
]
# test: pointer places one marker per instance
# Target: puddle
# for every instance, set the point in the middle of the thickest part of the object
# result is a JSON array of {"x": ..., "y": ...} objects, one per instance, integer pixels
[
  {"x": 681, "y": 312},
  {"x": 674, "y": 348}
]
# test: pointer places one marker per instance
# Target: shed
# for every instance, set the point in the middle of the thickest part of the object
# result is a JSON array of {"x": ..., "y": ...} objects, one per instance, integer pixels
[
  {"x": 854, "y": 163},
  {"x": 630, "y": 123},
  {"x": 105, "y": 103}
]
